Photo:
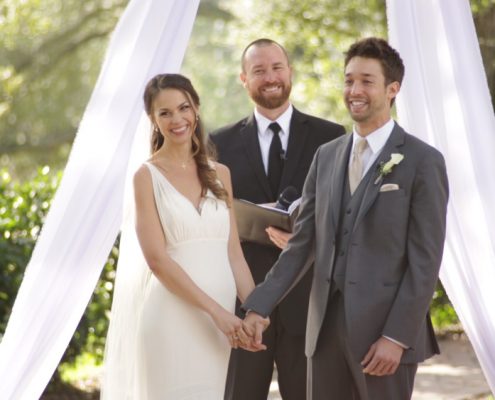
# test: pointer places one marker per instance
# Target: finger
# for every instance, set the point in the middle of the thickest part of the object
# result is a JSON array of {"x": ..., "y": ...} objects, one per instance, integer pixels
[
  {"x": 242, "y": 335},
  {"x": 369, "y": 355},
  {"x": 235, "y": 340},
  {"x": 258, "y": 335},
  {"x": 370, "y": 368},
  {"x": 248, "y": 329},
  {"x": 391, "y": 369},
  {"x": 380, "y": 368}
]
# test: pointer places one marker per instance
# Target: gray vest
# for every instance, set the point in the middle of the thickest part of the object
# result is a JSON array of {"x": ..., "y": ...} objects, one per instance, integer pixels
[{"x": 348, "y": 214}]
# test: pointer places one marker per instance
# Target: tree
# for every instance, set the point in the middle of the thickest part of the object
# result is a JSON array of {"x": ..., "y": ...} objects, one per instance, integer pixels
[{"x": 50, "y": 55}]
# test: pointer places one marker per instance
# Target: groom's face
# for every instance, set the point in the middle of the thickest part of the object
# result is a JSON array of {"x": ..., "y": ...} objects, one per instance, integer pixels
[{"x": 366, "y": 95}]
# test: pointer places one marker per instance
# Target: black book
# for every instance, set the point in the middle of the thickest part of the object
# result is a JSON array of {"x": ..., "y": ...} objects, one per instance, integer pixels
[{"x": 252, "y": 220}]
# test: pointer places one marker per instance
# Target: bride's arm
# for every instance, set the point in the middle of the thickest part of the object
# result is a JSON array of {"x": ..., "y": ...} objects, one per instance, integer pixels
[
  {"x": 168, "y": 272},
  {"x": 242, "y": 275}
]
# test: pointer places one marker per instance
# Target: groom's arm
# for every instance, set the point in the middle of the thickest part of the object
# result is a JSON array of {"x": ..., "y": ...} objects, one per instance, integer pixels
[
  {"x": 425, "y": 242},
  {"x": 292, "y": 262}
]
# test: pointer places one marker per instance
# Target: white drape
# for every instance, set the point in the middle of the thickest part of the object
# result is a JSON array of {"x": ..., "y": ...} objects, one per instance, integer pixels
[
  {"x": 86, "y": 213},
  {"x": 445, "y": 101}
]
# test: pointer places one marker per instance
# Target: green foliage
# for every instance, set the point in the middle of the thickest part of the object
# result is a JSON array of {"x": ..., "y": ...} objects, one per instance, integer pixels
[
  {"x": 442, "y": 313},
  {"x": 315, "y": 33},
  {"x": 23, "y": 208},
  {"x": 50, "y": 55},
  {"x": 22, "y": 211}
]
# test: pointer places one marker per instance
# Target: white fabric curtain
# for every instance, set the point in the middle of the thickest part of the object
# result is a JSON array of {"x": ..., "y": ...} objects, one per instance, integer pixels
[
  {"x": 445, "y": 101},
  {"x": 87, "y": 211}
]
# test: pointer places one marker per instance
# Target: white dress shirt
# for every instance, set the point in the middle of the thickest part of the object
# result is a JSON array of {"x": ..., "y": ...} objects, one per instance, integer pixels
[{"x": 376, "y": 142}]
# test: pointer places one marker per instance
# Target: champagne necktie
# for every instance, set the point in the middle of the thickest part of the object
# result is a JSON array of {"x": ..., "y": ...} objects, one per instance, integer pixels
[{"x": 356, "y": 167}]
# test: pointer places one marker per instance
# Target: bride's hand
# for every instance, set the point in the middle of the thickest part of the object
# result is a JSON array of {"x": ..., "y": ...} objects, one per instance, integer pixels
[{"x": 229, "y": 324}]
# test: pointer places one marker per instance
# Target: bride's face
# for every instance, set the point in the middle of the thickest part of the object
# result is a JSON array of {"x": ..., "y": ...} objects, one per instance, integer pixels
[{"x": 174, "y": 116}]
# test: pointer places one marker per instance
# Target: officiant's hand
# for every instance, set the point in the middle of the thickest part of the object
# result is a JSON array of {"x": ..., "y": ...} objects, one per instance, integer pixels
[
  {"x": 254, "y": 325},
  {"x": 279, "y": 237}
]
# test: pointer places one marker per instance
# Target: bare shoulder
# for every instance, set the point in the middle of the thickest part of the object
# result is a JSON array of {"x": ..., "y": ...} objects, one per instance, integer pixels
[
  {"x": 223, "y": 171},
  {"x": 142, "y": 177}
]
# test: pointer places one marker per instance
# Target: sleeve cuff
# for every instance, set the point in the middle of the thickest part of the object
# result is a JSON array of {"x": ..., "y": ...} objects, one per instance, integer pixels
[{"x": 396, "y": 342}]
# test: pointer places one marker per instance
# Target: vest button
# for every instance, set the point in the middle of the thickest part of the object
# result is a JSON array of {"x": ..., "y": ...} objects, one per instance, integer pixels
[
  {"x": 346, "y": 231},
  {"x": 348, "y": 211},
  {"x": 342, "y": 253}
]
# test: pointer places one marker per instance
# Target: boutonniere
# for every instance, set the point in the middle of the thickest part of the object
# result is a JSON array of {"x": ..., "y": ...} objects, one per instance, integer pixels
[{"x": 386, "y": 168}]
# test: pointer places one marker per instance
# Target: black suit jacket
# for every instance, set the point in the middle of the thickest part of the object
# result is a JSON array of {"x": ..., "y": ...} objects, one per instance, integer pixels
[{"x": 238, "y": 147}]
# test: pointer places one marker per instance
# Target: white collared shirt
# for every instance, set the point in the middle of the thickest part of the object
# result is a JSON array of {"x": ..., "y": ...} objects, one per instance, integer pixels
[
  {"x": 265, "y": 135},
  {"x": 376, "y": 142}
]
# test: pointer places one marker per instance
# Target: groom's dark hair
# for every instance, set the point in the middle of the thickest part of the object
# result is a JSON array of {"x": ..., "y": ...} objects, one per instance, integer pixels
[{"x": 379, "y": 49}]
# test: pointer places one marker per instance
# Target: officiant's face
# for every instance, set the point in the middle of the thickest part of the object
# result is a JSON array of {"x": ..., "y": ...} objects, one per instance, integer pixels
[
  {"x": 174, "y": 116},
  {"x": 267, "y": 76}
]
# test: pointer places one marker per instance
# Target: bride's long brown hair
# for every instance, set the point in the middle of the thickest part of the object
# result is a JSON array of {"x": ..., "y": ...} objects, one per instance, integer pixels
[{"x": 206, "y": 173}]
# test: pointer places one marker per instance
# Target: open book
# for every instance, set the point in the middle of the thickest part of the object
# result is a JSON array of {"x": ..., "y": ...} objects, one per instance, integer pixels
[{"x": 252, "y": 219}]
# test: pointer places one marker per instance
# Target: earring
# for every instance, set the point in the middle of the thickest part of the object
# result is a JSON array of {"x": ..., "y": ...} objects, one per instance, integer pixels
[{"x": 197, "y": 117}]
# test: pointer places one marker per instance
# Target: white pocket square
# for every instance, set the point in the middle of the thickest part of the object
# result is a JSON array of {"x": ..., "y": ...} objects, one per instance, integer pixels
[{"x": 387, "y": 187}]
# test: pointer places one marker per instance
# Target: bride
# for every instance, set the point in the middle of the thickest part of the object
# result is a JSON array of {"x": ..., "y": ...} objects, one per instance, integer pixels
[{"x": 176, "y": 343}]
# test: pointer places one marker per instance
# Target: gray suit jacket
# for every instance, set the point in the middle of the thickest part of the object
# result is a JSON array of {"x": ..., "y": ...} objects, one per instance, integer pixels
[{"x": 395, "y": 252}]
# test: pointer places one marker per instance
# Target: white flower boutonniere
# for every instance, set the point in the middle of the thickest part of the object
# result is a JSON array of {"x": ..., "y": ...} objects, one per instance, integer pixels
[{"x": 386, "y": 168}]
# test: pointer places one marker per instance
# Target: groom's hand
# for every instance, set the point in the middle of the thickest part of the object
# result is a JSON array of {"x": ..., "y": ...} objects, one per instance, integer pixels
[
  {"x": 253, "y": 326},
  {"x": 383, "y": 358}
]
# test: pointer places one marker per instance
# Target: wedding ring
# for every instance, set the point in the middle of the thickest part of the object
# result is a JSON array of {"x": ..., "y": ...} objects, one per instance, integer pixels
[{"x": 235, "y": 337}]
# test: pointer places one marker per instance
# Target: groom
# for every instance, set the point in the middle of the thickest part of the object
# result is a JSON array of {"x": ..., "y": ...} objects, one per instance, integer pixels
[{"x": 373, "y": 215}]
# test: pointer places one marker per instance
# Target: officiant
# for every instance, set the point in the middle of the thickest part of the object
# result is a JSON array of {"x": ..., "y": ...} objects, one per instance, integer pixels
[{"x": 266, "y": 152}]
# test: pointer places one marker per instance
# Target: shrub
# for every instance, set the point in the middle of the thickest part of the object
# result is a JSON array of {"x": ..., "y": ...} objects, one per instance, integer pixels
[{"x": 23, "y": 207}]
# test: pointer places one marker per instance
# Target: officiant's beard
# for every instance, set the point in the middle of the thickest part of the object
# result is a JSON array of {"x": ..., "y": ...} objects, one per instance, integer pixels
[{"x": 271, "y": 102}]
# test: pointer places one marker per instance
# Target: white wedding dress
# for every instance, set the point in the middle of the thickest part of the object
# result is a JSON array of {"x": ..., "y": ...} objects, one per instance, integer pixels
[{"x": 179, "y": 353}]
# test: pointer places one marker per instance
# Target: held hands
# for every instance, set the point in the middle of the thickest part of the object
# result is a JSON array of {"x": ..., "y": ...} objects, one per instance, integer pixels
[
  {"x": 229, "y": 324},
  {"x": 382, "y": 358},
  {"x": 253, "y": 327},
  {"x": 246, "y": 334}
]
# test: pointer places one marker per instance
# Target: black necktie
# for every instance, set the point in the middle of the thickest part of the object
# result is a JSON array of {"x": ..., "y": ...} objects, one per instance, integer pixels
[{"x": 275, "y": 159}]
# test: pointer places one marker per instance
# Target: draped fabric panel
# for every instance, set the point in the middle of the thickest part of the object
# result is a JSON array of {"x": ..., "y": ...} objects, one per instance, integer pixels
[
  {"x": 445, "y": 101},
  {"x": 87, "y": 211}
]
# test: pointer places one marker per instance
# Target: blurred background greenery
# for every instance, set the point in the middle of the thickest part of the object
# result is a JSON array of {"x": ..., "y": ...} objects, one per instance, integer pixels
[{"x": 51, "y": 52}]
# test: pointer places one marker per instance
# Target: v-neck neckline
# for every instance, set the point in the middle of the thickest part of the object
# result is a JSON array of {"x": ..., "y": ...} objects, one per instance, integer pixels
[{"x": 198, "y": 209}]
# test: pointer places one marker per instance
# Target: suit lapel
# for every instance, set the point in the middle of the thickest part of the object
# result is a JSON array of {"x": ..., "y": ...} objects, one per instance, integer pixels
[
  {"x": 297, "y": 139},
  {"x": 249, "y": 135},
  {"x": 338, "y": 177},
  {"x": 393, "y": 144}
]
